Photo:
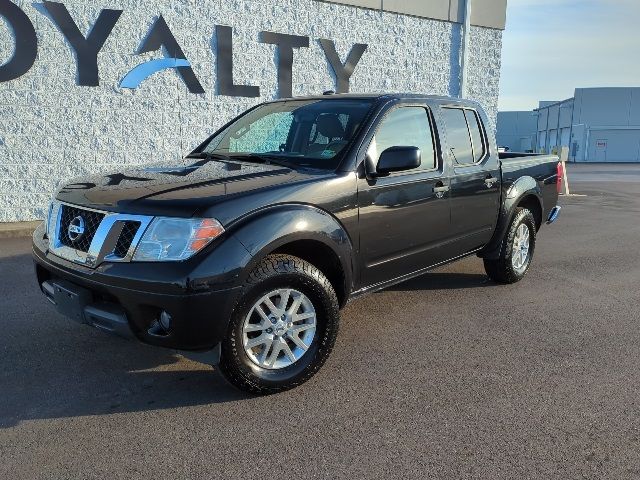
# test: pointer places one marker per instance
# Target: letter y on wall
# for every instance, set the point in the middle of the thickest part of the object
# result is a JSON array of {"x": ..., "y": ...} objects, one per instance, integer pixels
[
  {"x": 343, "y": 71},
  {"x": 86, "y": 49}
]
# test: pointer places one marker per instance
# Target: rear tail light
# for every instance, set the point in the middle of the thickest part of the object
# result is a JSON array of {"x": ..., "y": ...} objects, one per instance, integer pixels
[{"x": 560, "y": 177}]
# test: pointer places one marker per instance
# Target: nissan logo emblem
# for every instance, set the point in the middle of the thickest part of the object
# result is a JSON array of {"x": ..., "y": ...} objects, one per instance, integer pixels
[{"x": 76, "y": 228}]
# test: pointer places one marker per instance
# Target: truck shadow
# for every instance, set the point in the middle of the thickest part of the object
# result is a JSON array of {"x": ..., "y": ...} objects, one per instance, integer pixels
[
  {"x": 56, "y": 385},
  {"x": 54, "y": 368}
]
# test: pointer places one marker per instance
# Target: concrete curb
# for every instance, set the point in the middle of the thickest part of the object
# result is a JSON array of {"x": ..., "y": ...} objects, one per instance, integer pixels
[{"x": 18, "y": 229}]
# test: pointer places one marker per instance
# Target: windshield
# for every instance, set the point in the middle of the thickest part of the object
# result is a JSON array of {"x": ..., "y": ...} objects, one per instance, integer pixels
[{"x": 302, "y": 133}]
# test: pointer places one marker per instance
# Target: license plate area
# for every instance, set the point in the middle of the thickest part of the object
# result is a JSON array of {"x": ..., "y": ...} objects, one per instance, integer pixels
[{"x": 70, "y": 300}]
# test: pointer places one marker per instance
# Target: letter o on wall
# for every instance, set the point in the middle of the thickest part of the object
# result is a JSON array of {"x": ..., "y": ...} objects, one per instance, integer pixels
[{"x": 26, "y": 42}]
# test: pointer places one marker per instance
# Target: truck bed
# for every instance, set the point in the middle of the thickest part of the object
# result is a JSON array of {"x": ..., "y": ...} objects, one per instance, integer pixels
[{"x": 542, "y": 168}]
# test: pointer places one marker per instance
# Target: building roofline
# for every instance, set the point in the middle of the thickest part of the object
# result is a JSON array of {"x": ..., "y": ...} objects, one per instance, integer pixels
[
  {"x": 554, "y": 104},
  {"x": 484, "y": 13}
]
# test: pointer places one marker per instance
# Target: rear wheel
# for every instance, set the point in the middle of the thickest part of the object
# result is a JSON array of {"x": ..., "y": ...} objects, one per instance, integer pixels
[
  {"x": 283, "y": 329},
  {"x": 517, "y": 250}
]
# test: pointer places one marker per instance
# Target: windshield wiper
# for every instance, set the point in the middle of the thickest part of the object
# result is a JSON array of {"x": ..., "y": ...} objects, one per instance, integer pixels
[
  {"x": 208, "y": 156},
  {"x": 273, "y": 159},
  {"x": 249, "y": 157}
]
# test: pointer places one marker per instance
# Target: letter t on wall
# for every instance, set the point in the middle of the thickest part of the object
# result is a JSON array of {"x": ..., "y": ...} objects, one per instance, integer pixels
[
  {"x": 286, "y": 44},
  {"x": 86, "y": 49},
  {"x": 343, "y": 71}
]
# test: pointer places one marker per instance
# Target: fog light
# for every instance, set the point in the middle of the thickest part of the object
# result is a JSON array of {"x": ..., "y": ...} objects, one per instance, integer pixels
[{"x": 165, "y": 321}]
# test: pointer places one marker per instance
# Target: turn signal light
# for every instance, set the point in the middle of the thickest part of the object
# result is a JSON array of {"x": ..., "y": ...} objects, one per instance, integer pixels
[{"x": 205, "y": 233}]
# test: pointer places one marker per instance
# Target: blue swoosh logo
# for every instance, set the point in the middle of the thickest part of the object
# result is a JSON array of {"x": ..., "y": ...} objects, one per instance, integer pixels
[{"x": 135, "y": 77}]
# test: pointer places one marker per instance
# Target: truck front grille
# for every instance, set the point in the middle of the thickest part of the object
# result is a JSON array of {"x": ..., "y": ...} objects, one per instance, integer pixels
[
  {"x": 90, "y": 237},
  {"x": 89, "y": 220},
  {"x": 125, "y": 240}
]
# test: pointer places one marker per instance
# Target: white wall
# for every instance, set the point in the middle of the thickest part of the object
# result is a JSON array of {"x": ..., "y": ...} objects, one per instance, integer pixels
[{"x": 52, "y": 129}]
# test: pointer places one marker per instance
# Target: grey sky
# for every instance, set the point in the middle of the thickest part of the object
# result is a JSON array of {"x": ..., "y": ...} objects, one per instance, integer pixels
[{"x": 550, "y": 47}]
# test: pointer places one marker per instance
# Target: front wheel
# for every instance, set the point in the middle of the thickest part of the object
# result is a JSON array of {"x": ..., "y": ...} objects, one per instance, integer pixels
[
  {"x": 283, "y": 328},
  {"x": 517, "y": 250}
]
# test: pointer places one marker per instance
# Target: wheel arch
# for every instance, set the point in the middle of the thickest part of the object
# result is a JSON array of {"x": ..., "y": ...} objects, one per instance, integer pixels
[
  {"x": 524, "y": 192},
  {"x": 303, "y": 231}
]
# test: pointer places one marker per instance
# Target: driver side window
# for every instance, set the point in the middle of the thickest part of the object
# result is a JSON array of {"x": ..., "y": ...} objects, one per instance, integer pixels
[{"x": 406, "y": 127}]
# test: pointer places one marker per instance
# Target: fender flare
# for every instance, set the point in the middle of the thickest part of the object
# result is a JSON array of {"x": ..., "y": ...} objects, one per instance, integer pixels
[
  {"x": 268, "y": 229},
  {"x": 520, "y": 189}
]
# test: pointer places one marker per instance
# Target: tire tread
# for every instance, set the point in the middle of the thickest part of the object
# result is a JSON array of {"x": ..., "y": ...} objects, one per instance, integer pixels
[
  {"x": 500, "y": 270},
  {"x": 272, "y": 266}
]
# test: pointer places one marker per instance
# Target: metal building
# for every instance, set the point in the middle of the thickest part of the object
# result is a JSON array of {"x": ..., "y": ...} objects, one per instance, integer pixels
[
  {"x": 517, "y": 131},
  {"x": 597, "y": 124}
]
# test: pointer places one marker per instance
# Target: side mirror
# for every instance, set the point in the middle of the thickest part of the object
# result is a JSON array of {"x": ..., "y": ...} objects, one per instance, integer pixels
[{"x": 398, "y": 159}]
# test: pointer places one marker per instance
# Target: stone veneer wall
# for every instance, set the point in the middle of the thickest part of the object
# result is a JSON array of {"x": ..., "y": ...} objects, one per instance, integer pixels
[{"x": 53, "y": 129}]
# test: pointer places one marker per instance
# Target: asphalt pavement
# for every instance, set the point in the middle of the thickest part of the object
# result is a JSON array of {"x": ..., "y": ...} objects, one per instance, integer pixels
[{"x": 445, "y": 376}]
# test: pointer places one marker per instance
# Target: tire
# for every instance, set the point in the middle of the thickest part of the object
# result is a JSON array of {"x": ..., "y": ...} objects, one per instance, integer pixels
[
  {"x": 255, "y": 370},
  {"x": 503, "y": 269}
]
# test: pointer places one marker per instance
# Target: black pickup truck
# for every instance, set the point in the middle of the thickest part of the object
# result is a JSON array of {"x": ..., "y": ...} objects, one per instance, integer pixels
[{"x": 245, "y": 252}]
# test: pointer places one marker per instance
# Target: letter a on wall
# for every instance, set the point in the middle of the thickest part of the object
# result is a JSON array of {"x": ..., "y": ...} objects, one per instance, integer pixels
[{"x": 160, "y": 36}]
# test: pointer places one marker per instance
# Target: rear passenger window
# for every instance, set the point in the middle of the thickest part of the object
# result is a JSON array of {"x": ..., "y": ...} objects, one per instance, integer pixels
[
  {"x": 464, "y": 135},
  {"x": 406, "y": 127},
  {"x": 476, "y": 135},
  {"x": 458, "y": 135}
]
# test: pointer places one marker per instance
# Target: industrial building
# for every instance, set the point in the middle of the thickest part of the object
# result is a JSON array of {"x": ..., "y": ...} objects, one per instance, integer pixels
[
  {"x": 597, "y": 124},
  {"x": 517, "y": 131}
]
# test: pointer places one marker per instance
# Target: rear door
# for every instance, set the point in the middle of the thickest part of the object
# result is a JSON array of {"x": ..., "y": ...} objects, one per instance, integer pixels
[
  {"x": 402, "y": 219},
  {"x": 475, "y": 180}
]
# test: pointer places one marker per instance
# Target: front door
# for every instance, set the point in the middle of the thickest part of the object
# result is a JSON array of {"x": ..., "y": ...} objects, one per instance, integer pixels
[
  {"x": 475, "y": 182},
  {"x": 402, "y": 219},
  {"x": 601, "y": 150}
]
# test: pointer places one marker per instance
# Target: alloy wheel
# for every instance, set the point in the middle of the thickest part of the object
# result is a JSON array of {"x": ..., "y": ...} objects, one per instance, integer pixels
[{"x": 279, "y": 329}]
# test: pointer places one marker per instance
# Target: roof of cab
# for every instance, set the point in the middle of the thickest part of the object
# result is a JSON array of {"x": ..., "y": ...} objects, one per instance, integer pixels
[{"x": 381, "y": 96}]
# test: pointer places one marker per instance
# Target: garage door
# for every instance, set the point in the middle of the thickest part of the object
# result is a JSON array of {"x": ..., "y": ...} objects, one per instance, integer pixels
[
  {"x": 553, "y": 140},
  {"x": 614, "y": 146},
  {"x": 542, "y": 141},
  {"x": 565, "y": 137}
]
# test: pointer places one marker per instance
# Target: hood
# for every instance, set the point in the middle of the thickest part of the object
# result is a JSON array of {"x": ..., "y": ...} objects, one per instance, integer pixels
[{"x": 176, "y": 190}]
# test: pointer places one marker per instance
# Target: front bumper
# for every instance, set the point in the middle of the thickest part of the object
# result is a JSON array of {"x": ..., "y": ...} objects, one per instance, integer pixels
[{"x": 128, "y": 299}]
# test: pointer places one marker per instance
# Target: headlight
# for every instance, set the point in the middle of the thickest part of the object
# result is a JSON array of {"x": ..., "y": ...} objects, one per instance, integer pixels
[{"x": 175, "y": 239}]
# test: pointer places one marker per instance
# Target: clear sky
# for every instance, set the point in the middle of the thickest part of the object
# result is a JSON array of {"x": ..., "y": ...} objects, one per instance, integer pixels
[{"x": 551, "y": 47}]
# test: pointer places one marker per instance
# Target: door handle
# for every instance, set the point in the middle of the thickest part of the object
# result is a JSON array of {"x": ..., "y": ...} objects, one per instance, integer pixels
[
  {"x": 490, "y": 181},
  {"x": 440, "y": 190}
]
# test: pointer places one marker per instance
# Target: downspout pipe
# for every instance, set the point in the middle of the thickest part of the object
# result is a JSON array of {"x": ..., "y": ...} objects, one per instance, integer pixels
[{"x": 466, "y": 36}]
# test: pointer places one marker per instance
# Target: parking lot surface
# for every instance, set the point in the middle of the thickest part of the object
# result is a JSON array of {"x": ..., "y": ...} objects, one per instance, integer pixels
[{"x": 445, "y": 376}]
